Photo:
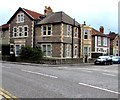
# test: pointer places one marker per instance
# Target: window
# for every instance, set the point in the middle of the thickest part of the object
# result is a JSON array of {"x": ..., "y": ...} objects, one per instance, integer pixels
[
  {"x": 104, "y": 41},
  {"x": 75, "y": 32},
  {"x": 85, "y": 50},
  {"x": 68, "y": 50},
  {"x": 116, "y": 43},
  {"x": 86, "y": 34},
  {"x": 99, "y": 41},
  {"x": 15, "y": 31},
  {"x": 25, "y": 30},
  {"x": 20, "y": 30},
  {"x": 20, "y": 18},
  {"x": 75, "y": 51},
  {"x": 47, "y": 30},
  {"x": 47, "y": 50},
  {"x": 17, "y": 51},
  {"x": 69, "y": 30}
]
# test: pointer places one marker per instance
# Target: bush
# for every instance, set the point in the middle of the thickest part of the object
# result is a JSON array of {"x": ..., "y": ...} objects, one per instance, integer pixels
[{"x": 31, "y": 54}]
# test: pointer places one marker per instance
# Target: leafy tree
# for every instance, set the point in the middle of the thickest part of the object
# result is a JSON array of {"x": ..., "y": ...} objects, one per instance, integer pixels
[{"x": 31, "y": 54}]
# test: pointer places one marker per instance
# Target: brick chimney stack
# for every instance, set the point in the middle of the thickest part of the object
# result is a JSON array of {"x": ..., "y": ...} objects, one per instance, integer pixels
[
  {"x": 101, "y": 29},
  {"x": 47, "y": 10}
]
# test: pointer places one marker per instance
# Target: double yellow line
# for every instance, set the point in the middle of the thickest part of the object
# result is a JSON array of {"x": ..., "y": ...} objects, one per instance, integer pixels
[{"x": 6, "y": 95}]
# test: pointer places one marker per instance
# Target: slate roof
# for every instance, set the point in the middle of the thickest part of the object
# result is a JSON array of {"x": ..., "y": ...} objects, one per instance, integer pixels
[{"x": 57, "y": 17}]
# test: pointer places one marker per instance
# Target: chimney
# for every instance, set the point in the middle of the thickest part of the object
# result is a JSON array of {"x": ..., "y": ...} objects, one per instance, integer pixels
[
  {"x": 101, "y": 29},
  {"x": 47, "y": 10}
]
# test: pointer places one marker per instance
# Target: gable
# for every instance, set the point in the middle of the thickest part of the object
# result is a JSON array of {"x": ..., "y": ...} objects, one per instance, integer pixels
[{"x": 31, "y": 14}]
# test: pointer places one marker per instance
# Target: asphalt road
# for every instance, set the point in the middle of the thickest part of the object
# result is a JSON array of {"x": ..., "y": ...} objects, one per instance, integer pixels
[{"x": 61, "y": 81}]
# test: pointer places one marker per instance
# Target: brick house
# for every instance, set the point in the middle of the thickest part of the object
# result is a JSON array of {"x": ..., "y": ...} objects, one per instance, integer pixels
[
  {"x": 100, "y": 43},
  {"x": 58, "y": 35},
  {"x": 116, "y": 45},
  {"x": 22, "y": 29},
  {"x": 112, "y": 36}
]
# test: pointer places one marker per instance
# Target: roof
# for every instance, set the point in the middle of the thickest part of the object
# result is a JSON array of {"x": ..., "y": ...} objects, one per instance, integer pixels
[
  {"x": 31, "y": 14},
  {"x": 5, "y": 27},
  {"x": 35, "y": 15},
  {"x": 57, "y": 17},
  {"x": 98, "y": 33},
  {"x": 112, "y": 35}
]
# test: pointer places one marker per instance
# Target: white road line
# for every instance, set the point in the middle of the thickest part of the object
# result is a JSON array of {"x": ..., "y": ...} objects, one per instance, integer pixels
[
  {"x": 39, "y": 73},
  {"x": 99, "y": 88},
  {"x": 86, "y": 71},
  {"x": 108, "y": 74}
]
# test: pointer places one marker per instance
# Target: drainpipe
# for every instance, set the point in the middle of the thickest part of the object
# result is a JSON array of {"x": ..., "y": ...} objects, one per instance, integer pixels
[{"x": 72, "y": 37}]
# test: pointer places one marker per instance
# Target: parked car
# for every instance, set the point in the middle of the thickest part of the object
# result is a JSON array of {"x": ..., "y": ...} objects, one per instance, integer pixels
[
  {"x": 105, "y": 60},
  {"x": 116, "y": 59}
]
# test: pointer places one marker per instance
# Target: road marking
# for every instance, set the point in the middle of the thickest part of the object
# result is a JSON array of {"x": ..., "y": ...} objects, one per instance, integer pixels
[
  {"x": 99, "y": 88},
  {"x": 40, "y": 73},
  {"x": 108, "y": 74},
  {"x": 86, "y": 71}
]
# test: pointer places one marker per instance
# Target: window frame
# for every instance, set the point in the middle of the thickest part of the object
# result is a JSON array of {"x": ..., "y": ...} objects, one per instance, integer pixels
[
  {"x": 46, "y": 31},
  {"x": 15, "y": 32},
  {"x": 75, "y": 32},
  {"x": 69, "y": 30},
  {"x": 20, "y": 17},
  {"x": 86, "y": 34}
]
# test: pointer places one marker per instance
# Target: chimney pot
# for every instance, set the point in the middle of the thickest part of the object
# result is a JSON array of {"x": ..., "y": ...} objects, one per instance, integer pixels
[{"x": 101, "y": 29}]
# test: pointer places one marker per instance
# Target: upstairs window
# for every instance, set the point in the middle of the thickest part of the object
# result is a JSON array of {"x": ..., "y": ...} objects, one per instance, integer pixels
[
  {"x": 20, "y": 18},
  {"x": 15, "y": 31},
  {"x": 86, "y": 34},
  {"x": 104, "y": 41},
  {"x": 99, "y": 41},
  {"x": 25, "y": 30},
  {"x": 20, "y": 30},
  {"x": 47, "y": 30},
  {"x": 75, "y": 32},
  {"x": 69, "y": 29},
  {"x": 116, "y": 43}
]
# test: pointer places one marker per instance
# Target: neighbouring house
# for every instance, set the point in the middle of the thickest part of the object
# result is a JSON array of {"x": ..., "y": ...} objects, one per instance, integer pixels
[
  {"x": 112, "y": 36},
  {"x": 22, "y": 29},
  {"x": 86, "y": 42},
  {"x": 59, "y": 36},
  {"x": 93, "y": 42},
  {"x": 116, "y": 45},
  {"x": 100, "y": 43}
]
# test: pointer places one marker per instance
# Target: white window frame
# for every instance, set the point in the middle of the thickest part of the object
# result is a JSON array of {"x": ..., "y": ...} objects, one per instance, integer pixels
[
  {"x": 68, "y": 51},
  {"x": 75, "y": 50},
  {"x": 46, "y": 30},
  {"x": 25, "y": 31},
  {"x": 104, "y": 41},
  {"x": 19, "y": 48},
  {"x": 69, "y": 30},
  {"x": 99, "y": 40},
  {"x": 76, "y": 32},
  {"x": 19, "y": 31},
  {"x": 46, "y": 51},
  {"x": 20, "y": 18},
  {"x": 86, "y": 31},
  {"x": 15, "y": 32}
]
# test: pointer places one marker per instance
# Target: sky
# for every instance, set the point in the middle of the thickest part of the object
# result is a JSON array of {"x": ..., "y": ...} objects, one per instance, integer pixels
[{"x": 96, "y": 13}]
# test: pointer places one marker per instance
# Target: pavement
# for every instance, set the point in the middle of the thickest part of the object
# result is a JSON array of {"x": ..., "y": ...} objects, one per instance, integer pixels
[
  {"x": 5, "y": 95},
  {"x": 48, "y": 65}
]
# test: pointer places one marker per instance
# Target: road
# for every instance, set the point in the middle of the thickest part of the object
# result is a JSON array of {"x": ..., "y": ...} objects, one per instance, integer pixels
[{"x": 60, "y": 81}]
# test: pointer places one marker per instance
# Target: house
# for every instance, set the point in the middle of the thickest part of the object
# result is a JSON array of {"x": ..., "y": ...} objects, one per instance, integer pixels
[
  {"x": 100, "y": 42},
  {"x": 93, "y": 42},
  {"x": 86, "y": 42},
  {"x": 22, "y": 29},
  {"x": 116, "y": 45},
  {"x": 112, "y": 36},
  {"x": 59, "y": 36}
]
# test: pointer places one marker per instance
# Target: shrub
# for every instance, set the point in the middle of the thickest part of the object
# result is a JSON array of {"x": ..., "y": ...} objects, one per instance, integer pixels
[{"x": 31, "y": 54}]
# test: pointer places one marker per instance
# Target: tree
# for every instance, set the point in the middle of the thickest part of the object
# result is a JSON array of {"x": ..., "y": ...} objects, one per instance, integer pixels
[{"x": 31, "y": 54}]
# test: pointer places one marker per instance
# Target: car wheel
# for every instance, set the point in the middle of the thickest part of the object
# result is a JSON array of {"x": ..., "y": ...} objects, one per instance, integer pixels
[{"x": 105, "y": 63}]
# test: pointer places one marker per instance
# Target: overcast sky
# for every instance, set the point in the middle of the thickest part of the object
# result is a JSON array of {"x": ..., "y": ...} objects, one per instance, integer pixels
[{"x": 95, "y": 12}]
